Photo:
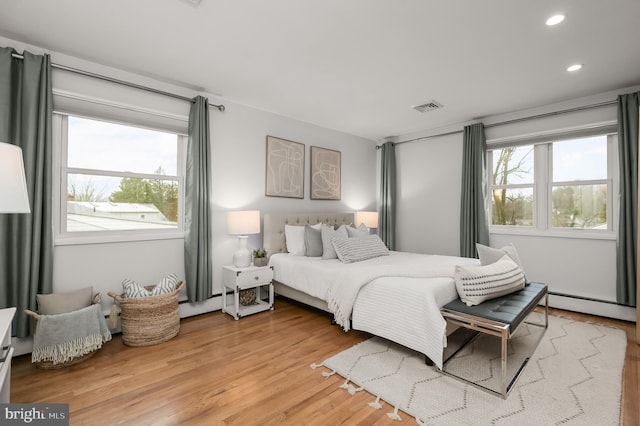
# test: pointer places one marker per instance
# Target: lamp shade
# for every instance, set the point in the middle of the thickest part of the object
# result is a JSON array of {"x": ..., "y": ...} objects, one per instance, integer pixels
[
  {"x": 243, "y": 222},
  {"x": 370, "y": 219},
  {"x": 13, "y": 184}
]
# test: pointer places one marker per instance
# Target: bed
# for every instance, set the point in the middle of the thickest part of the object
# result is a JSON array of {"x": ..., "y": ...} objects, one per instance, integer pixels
[{"x": 397, "y": 297}]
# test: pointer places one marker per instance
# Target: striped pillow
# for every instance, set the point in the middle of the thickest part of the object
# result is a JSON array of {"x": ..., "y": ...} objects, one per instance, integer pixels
[
  {"x": 479, "y": 283},
  {"x": 351, "y": 250}
]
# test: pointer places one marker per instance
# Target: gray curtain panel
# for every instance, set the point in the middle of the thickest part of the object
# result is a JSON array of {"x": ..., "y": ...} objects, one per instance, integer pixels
[
  {"x": 26, "y": 240},
  {"x": 387, "y": 230},
  {"x": 474, "y": 226},
  {"x": 197, "y": 238},
  {"x": 627, "y": 226}
]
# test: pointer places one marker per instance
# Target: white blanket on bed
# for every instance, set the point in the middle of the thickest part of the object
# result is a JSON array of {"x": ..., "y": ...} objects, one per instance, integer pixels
[
  {"x": 406, "y": 311},
  {"x": 344, "y": 288}
]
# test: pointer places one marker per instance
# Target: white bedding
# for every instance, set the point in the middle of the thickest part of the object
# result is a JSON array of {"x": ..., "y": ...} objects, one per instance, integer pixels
[{"x": 397, "y": 296}]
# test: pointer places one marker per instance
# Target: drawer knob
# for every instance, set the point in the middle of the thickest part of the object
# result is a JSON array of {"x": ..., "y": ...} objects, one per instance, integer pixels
[{"x": 256, "y": 278}]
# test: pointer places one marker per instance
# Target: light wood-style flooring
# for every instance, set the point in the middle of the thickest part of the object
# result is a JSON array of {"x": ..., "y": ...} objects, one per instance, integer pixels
[{"x": 247, "y": 372}]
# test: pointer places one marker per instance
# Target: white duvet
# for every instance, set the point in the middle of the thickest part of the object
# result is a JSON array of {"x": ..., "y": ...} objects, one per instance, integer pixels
[{"x": 397, "y": 297}]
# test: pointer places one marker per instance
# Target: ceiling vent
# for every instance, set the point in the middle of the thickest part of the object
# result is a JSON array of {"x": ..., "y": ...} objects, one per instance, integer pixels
[{"x": 429, "y": 106}]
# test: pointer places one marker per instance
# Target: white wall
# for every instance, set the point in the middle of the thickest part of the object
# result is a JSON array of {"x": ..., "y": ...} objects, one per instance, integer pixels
[
  {"x": 429, "y": 175},
  {"x": 238, "y": 148},
  {"x": 428, "y": 212},
  {"x": 238, "y": 139}
]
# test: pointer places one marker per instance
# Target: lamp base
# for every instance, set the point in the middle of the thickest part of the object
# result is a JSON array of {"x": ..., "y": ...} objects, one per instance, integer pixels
[{"x": 242, "y": 256}]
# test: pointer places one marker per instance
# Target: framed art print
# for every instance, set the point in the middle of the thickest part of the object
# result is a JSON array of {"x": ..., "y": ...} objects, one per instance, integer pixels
[
  {"x": 285, "y": 168},
  {"x": 325, "y": 174}
]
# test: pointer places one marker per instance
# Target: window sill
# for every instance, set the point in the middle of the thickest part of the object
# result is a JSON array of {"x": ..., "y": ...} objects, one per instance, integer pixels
[
  {"x": 577, "y": 234},
  {"x": 133, "y": 236}
]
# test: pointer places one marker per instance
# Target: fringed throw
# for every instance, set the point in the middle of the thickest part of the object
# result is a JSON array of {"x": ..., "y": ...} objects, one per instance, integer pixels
[{"x": 63, "y": 337}]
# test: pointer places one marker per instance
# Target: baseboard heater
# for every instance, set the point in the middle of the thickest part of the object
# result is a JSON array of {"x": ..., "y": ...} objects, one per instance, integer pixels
[{"x": 589, "y": 299}]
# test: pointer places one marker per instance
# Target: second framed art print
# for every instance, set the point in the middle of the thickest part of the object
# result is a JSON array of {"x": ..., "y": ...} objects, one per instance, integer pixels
[{"x": 325, "y": 174}]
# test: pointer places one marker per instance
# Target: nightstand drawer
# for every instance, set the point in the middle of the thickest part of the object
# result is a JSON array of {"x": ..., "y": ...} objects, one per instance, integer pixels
[{"x": 253, "y": 278}]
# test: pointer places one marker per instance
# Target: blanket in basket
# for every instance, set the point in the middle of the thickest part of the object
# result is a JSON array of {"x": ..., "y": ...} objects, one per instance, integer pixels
[{"x": 63, "y": 337}]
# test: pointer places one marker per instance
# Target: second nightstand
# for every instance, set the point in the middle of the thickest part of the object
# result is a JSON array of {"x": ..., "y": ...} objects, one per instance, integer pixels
[{"x": 252, "y": 277}]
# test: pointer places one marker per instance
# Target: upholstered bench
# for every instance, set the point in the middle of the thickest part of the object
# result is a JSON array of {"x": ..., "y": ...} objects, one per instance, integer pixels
[{"x": 499, "y": 317}]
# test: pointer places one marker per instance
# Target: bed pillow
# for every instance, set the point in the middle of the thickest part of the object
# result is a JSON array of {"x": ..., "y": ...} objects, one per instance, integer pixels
[
  {"x": 294, "y": 238},
  {"x": 61, "y": 303},
  {"x": 476, "y": 284},
  {"x": 360, "y": 232},
  {"x": 312, "y": 242},
  {"x": 489, "y": 255},
  {"x": 351, "y": 250},
  {"x": 328, "y": 234}
]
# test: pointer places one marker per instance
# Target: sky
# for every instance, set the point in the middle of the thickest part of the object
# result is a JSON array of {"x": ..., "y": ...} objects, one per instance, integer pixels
[
  {"x": 575, "y": 159},
  {"x": 113, "y": 147}
]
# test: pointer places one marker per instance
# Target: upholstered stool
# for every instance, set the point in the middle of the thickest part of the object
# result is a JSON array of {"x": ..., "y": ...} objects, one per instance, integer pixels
[{"x": 499, "y": 317}]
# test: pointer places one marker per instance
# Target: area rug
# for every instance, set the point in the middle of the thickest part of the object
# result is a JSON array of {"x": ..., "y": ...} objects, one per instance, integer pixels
[{"x": 574, "y": 377}]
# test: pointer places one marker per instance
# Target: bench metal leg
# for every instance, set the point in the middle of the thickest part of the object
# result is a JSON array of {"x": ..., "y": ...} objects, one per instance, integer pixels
[
  {"x": 502, "y": 331},
  {"x": 503, "y": 378}
]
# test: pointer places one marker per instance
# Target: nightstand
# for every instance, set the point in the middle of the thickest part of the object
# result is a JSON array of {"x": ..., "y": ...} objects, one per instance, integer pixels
[
  {"x": 6, "y": 317},
  {"x": 252, "y": 277}
]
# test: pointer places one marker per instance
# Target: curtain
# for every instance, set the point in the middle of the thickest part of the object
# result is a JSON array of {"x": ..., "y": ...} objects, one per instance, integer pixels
[
  {"x": 387, "y": 231},
  {"x": 626, "y": 255},
  {"x": 26, "y": 240},
  {"x": 474, "y": 226},
  {"x": 197, "y": 239}
]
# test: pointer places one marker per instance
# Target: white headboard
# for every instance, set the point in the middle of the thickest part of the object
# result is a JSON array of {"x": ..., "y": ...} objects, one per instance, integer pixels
[{"x": 273, "y": 239}]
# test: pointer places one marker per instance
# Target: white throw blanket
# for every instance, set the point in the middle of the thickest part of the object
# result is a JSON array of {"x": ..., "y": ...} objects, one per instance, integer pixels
[
  {"x": 63, "y": 337},
  {"x": 342, "y": 292}
]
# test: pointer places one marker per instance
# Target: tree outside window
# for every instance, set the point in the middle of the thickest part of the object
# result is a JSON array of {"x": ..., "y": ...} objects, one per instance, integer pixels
[
  {"x": 512, "y": 186},
  {"x": 570, "y": 188}
]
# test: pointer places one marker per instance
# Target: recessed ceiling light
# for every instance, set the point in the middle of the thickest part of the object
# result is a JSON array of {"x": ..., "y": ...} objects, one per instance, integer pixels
[
  {"x": 574, "y": 67},
  {"x": 555, "y": 19}
]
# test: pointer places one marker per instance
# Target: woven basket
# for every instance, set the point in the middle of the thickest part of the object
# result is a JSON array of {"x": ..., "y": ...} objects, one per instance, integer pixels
[
  {"x": 247, "y": 297},
  {"x": 49, "y": 365},
  {"x": 150, "y": 320}
]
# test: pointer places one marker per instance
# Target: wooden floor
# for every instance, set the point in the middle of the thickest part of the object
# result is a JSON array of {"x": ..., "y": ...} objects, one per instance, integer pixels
[{"x": 221, "y": 371}]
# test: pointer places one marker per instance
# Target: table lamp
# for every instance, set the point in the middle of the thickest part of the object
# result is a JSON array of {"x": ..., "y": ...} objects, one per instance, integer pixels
[
  {"x": 242, "y": 223},
  {"x": 13, "y": 184},
  {"x": 369, "y": 219}
]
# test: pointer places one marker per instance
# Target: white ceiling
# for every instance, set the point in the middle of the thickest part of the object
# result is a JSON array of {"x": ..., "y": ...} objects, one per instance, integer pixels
[{"x": 352, "y": 65}]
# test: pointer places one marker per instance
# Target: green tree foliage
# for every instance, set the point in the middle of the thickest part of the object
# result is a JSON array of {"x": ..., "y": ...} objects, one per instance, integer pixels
[
  {"x": 160, "y": 193},
  {"x": 579, "y": 206}
]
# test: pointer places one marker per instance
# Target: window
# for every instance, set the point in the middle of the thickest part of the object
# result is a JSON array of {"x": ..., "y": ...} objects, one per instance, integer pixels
[
  {"x": 119, "y": 181},
  {"x": 512, "y": 189},
  {"x": 559, "y": 185},
  {"x": 579, "y": 187}
]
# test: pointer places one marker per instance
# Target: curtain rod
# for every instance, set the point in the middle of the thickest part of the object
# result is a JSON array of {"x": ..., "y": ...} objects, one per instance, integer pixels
[
  {"x": 220, "y": 108},
  {"x": 515, "y": 120}
]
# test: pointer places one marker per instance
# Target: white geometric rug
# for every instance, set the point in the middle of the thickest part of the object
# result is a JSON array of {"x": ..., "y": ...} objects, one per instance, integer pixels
[{"x": 573, "y": 378}]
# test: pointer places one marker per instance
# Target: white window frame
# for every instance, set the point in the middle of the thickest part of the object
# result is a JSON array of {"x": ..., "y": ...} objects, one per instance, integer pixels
[
  {"x": 61, "y": 171},
  {"x": 543, "y": 185}
]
